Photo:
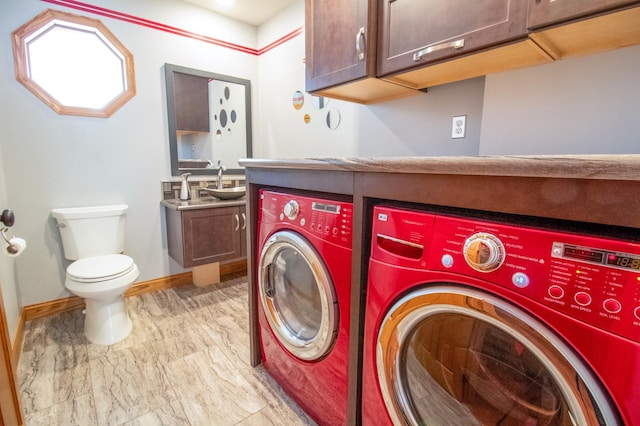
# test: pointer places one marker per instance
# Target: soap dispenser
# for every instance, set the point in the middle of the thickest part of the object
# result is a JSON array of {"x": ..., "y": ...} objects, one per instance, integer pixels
[{"x": 185, "y": 189}]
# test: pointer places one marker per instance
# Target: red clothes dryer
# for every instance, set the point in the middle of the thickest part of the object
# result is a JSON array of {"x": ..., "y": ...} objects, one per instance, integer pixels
[
  {"x": 304, "y": 289},
  {"x": 476, "y": 322}
]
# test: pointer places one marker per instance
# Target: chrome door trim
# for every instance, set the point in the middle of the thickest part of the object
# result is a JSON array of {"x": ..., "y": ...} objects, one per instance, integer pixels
[
  {"x": 308, "y": 350},
  {"x": 555, "y": 355}
]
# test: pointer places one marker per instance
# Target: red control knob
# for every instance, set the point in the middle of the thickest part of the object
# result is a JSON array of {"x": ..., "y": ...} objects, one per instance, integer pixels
[
  {"x": 582, "y": 298},
  {"x": 612, "y": 306},
  {"x": 555, "y": 291}
]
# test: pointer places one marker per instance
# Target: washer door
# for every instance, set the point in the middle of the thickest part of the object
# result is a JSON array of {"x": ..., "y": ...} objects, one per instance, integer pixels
[
  {"x": 298, "y": 296},
  {"x": 451, "y": 355}
]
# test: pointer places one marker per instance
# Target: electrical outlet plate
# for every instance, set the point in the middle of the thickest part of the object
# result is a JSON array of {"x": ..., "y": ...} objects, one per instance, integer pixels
[{"x": 459, "y": 126}]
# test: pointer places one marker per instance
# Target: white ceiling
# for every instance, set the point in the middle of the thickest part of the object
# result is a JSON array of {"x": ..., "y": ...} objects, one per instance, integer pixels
[{"x": 254, "y": 12}]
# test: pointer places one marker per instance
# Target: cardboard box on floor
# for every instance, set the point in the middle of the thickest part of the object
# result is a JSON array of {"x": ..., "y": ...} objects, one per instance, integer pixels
[{"x": 208, "y": 274}]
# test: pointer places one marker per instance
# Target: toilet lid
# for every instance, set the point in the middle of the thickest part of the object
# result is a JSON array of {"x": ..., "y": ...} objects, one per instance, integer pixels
[{"x": 100, "y": 268}]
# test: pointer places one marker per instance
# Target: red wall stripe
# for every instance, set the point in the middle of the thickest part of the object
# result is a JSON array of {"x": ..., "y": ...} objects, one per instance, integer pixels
[
  {"x": 173, "y": 30},
  {"x": 282, "y": 40}
]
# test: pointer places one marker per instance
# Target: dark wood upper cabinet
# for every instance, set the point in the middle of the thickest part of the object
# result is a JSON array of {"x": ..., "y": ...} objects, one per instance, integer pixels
[
  {"x": 191, "y": 102},
  {"x": 415, "y": 32},
  {"x": 340, "y": 38},
  {"x": 334, "y": 29},
  {"x": 593, "y": 26},
  {"x": 416, "y": 44},
  {"x": 547, "y": 12}
]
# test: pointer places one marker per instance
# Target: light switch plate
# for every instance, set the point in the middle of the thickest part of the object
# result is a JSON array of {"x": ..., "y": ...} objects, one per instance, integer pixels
[{"x": 459, "y": 126}]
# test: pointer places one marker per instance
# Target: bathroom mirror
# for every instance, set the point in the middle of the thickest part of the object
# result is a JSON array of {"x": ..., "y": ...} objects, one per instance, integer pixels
[
  {"x": 60, "y": 57},
  {"x": 209, "y": 119}
]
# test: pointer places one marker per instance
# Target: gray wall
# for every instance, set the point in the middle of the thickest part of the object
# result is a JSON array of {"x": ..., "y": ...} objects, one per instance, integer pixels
[
  {"x": 418, "y": 125},
  {"x": 584, "y": 105},
  {"x": 51, "y": 160},
  {"x": 8, "y": 285}
]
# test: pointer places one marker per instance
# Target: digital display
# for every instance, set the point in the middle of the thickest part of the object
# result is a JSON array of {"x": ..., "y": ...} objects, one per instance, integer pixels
[
  {"x": 602, "y": 257},
  {"x": 330, "y": 208},
  {"x": 623, "y": 261},
  {"x": 582, "y": 253}
]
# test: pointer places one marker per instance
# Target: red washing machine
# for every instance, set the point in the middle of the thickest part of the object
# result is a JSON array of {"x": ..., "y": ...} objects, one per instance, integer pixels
[
  {"x": 304, "y": 288},
  {"x": 476, "y": 322}
]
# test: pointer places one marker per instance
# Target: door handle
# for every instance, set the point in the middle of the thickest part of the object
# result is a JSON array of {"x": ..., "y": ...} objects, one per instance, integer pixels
[
  {"x": 237, "y": 222},
  {"x": 457, "y": 44},
  {"x": 244, "y": 221},
  {"x": 360, "y": 48},
  {"x": 269, "y": 289}
]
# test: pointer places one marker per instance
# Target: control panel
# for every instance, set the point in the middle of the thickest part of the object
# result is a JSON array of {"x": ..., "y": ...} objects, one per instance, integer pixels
[
  {"x": 326, "y": 219},
  {"x": 593, "y": 279}
]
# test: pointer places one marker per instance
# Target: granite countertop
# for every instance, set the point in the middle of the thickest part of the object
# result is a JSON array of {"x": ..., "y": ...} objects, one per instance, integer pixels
[
  {"x": 608, "y": 167},
  {"x": 201, "y": 203}
]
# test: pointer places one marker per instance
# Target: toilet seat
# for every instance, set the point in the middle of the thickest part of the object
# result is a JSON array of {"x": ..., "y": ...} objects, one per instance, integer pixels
[{"x": 100, "y": 268}]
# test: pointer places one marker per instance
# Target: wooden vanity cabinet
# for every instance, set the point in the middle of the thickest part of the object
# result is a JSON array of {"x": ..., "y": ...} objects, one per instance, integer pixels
[
  {"x": 414, "y": 32},
  {"x": 191, "y": 102},
  {"x": 340, "y": 45},
  {"x": 200, "y": 236},
  {"x": 547, "y": 12}
]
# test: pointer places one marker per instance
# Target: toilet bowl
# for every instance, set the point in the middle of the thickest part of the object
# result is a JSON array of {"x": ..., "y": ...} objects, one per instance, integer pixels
[
  {"x": 102, "y": 282},
  {"x": 94, "y": 238}
]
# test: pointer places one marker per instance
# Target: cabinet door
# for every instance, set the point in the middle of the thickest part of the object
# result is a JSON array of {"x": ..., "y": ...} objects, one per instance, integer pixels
[
  {"x": 547, "y": 12},
  {"x": 211, "y": 235},
  {"x": 191, "y": 102},
  {"x": 340, "y": 42},
  {"x": 417, "y": 32}
]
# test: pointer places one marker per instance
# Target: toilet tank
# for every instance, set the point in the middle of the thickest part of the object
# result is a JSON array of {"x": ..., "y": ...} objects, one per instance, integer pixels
[{"x": 91, "y": 231}]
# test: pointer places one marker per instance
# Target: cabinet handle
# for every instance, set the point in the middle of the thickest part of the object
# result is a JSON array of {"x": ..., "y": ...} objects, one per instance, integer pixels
[
  {"x": 244, "y": 221},
  {"x": 457, "y": 44},
  {"x": 360, "y": 48},
  {"x": 237, "y": 222}
]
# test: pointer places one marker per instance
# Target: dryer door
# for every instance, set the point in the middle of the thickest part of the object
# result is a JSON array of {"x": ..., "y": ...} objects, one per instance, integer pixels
[
  {"x": 298, "y": 296},
  {"x": 452, "y": 355}
]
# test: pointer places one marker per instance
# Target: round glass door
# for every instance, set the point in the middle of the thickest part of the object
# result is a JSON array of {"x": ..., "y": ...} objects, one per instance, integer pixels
[
  {"x": 297, "y": 296},
  {"x": 448, "y": 355}
]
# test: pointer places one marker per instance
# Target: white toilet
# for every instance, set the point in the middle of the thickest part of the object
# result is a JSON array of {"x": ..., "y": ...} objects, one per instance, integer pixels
[{"x": 94, "y": 238}]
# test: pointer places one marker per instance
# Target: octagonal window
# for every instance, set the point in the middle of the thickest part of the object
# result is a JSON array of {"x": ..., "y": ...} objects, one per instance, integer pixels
[{"x": 74, "y": 64}]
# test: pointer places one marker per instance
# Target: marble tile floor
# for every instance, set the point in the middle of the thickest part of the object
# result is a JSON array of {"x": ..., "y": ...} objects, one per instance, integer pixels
[{"x": 185, "y": 363}]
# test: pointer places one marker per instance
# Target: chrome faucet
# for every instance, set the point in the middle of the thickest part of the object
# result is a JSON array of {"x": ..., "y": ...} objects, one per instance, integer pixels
[{"x": 221, "y": 169}]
